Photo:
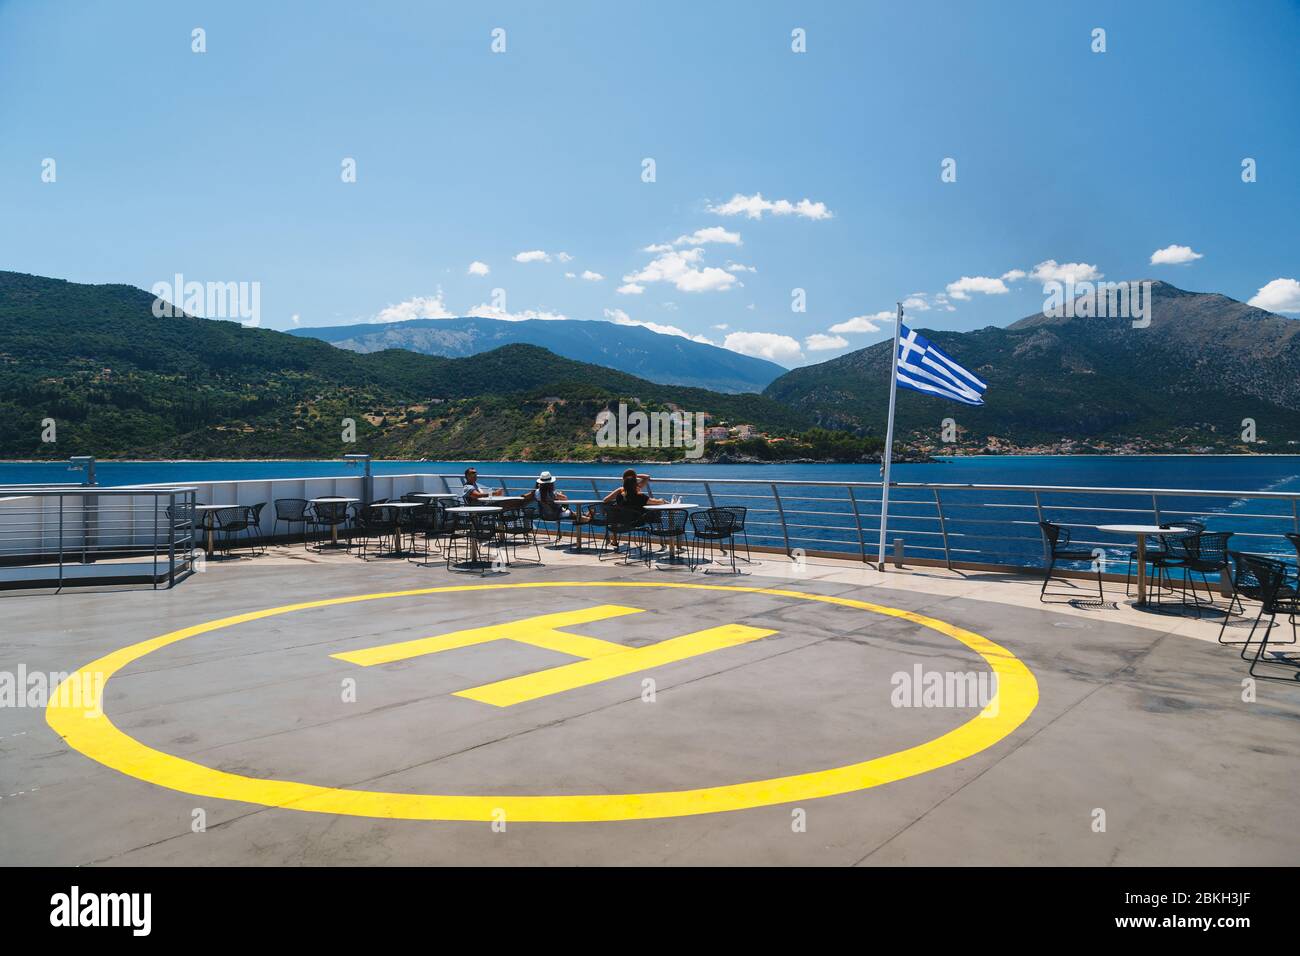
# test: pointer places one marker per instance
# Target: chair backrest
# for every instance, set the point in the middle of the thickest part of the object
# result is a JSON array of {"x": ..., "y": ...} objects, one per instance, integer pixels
[
  {"x": 600, "y": 515},
  {"x": 715, "y": 521},
  {"x": 255, "y": 513},
  {"x": 1294, "y": 538},
  {"x": 331, "y": 511},
  {"x": 290, "y": 509},
  {"x": 1269, "y": 576},
  {"x": 673, "y": 522},
  {"x": 1209, "y": 546},
  {"x": 1054, "y": 536},
  {"x": 232, "y": 519},
  {"x": 624, "y": 519},
  {"x": 739, "y": 511},
  {"x": 548, "y": 510}
]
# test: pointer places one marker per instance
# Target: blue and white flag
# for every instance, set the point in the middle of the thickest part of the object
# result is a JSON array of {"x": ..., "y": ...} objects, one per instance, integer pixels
[{"x": 924, "y": 367}]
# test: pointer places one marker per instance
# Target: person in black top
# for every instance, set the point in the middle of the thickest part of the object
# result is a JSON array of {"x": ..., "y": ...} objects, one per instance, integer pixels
[{"x": 631, "y": 496}]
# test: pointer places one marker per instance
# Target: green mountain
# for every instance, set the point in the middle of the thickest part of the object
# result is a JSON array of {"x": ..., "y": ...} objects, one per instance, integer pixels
[
  {"x": 666, "y": 359},
  {"x": 1205, "y": 364},
  {"x": 119, "y": 382}
]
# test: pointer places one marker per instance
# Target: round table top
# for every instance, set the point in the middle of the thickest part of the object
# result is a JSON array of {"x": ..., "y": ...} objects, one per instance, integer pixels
[
  {"x": 334, "y": 501},
  {"x": 434, "y": 494},
  {"x": 503, "y": 498},
  {"x": 1140, "y": 528},
  {"x": 472, "y": 509},
  {"x": 578, "y": 501},
  {"x": 213, "y": 507},
  {"x": 398, "y": 504},
  {"x": 672, "y": 506}
]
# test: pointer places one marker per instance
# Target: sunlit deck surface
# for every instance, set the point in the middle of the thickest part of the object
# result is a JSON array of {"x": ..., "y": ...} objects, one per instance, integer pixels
[{"x": 1138, "y": 716}]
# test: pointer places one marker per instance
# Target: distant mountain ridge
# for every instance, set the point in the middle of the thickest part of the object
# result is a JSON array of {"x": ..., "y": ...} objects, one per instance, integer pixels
[
  {"x": 117, "y": 381},
  {"x": 657, "y": 357},
  {"x": 1205, "y": 365}
]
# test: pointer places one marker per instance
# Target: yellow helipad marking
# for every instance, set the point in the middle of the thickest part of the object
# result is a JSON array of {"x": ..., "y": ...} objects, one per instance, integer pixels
[
  {"x": 604, "y": 659},
  {"x": 89, "y": 731},
  {"x": 541, "y": 631}
]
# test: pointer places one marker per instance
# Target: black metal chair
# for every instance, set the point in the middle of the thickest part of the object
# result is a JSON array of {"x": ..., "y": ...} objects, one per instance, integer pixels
[
  {"x": 256, "y": 539},
  {"x": 1294, "y": 538},
  {"x": 514, "y": 527},
  {"x": 1204, "y": 554},
  {"x": 1244, "y": 585},
  {"x": 1157, "y": 553},
  {"x": 1056, "y": 547},
  {"x": 551, "y": 512},
  {"x": 1276, "y": 596},
  {"x": 230, "y": 523},
  {"x": 713, "y": 528},
  {"x": 375, "y": 523},
  {"x": 330, "y": 517},
  {"x": 475, "y": 537},
  {"x": 292, "y": 511},
  {"x": 740, "y": 511},
  {"x": 632, "y": 524},
  {"x": 670, "y": 530}
]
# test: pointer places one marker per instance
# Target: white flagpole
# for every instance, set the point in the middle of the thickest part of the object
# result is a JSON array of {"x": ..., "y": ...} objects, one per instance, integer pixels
[{"x": 889, "y": 441}]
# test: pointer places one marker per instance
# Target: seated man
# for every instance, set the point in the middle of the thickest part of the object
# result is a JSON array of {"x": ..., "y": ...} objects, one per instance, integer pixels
[{"x": 471, "y": 492}]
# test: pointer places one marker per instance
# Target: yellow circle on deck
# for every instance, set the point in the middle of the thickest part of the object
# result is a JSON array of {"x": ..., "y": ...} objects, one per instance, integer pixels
[{"x": 89, "y": 730}]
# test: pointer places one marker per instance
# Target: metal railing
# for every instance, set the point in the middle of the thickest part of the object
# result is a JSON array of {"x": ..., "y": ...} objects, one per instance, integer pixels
[
  {"x": 55, "y": 536},
  {"x": 971, "y": 525},
  {"x": 958, "y": 525}
]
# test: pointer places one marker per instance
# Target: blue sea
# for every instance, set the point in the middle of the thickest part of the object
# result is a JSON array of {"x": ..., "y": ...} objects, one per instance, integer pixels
[{"x": 982, "y": 525}]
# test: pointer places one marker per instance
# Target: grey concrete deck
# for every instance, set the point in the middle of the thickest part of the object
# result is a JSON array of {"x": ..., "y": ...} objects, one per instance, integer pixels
[{"x": 1139, "y": 715}]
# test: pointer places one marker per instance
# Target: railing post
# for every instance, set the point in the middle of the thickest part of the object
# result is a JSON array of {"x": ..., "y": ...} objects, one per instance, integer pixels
[
  {"x": 1155, "y": 508},
  {"x": 785, "y": 533},
  {"x": 709, "y": 491},
  {"x": 60, "y": 541},
  {"x": 156, "y": 498},
  {"x": 857, "y": 521},
  {"x": 171, "y": 539},
  {"x": 1038, "y": 506},
  {"x": 943, "y": 528}
]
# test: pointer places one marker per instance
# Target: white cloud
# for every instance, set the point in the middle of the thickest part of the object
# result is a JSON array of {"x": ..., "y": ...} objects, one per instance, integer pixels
[
  {"x": 722, "y": 326},
  {"x": 630, "y": 288},
  {"x": 563, "y": 257},
  {"x": 766, "y": 345},
  {"x": 592, "y": 276},
  {"x": 570, "y": 275},
  {"x": 963, "y": 287},
  {"x": 1280, "y": 295},
  {"x": 619, "y": 317},
  {"x": 1174, "y": 256},
  {"x": 533, "y": 255},
  {"x": 754, "y": 206},
  {"x": 712, "y": 234},
  {"x": 477, "y": 268},
  {"x": 1013, "y": 275},
  {"x": 737, "y": 267},
  {"x": 1051, "y": 270},
  {"x": 824, "y": 343},
  {"x": 916, "y": 302},
  {"x": 420, "y": 307},
  {"x": 682, "y": 270},
  {"x": 485, "y": 311},
  {"x": 864, "y": 323}
]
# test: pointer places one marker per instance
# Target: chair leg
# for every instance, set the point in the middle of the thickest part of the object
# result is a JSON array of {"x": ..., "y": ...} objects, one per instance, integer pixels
[{"x": 1047, "y": 576}]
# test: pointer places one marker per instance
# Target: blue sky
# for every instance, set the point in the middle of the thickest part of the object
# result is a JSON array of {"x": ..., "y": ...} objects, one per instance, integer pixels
[{"x": 226, "y": 165}]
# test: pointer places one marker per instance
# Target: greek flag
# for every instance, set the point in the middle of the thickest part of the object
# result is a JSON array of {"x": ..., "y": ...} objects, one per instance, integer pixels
[{"x": 924, "y": 367}]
